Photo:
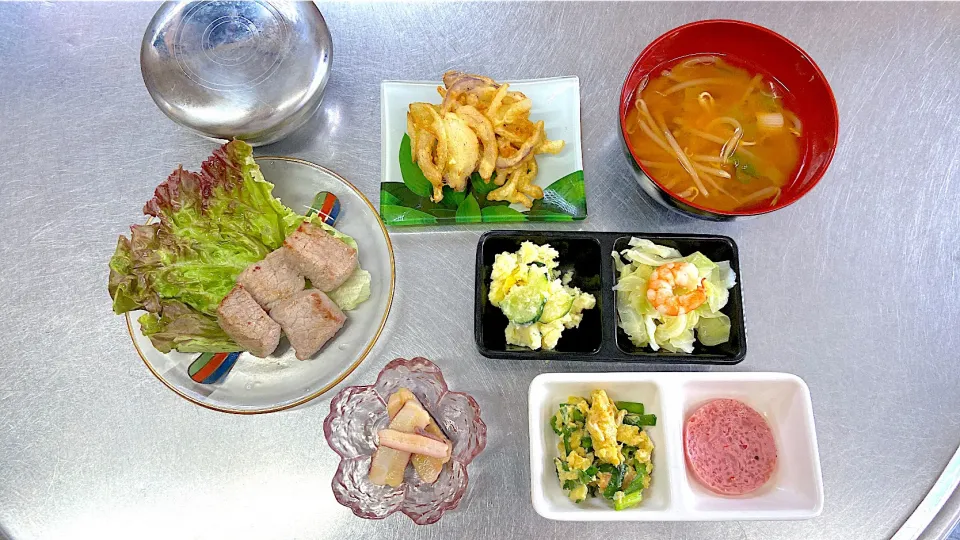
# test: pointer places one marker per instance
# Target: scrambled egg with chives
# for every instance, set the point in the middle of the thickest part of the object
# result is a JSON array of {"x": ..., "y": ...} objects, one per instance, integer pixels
[{"x": 604, "y": 451}]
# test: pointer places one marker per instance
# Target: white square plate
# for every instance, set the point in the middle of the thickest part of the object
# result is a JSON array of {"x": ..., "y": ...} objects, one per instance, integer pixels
[
  {"x": 794, "y": 492},
  {"x": 556, "y": 101}
]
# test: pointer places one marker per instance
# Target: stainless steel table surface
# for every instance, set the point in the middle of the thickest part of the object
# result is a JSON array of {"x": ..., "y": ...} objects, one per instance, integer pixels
[{"x": 854, "y": 288}]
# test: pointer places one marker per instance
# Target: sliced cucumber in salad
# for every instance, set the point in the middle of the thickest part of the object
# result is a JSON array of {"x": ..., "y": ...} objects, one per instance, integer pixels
[
  {"x": 557, "y": 306},
  {"x": 524, "y": 304},
  {"x": 537, "y": 277}
]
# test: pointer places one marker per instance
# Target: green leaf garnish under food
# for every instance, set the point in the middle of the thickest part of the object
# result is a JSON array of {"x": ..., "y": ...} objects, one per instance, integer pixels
[
  {"x": 469, "y": 210},
  {"x": 500, "y": 214},
  {"x": 408, "y": 216},
  {"x": 564, "y": 199},
  {"x": 566, "y": 196},
  {"x": 412, "y": 175}
]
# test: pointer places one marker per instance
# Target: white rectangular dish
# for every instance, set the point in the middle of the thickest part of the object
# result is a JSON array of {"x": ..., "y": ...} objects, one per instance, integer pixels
[{"x": 794, "y": 492}]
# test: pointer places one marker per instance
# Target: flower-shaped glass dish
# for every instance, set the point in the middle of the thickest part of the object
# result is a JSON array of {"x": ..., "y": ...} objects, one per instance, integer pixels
[{"x": 357, "y": 413}]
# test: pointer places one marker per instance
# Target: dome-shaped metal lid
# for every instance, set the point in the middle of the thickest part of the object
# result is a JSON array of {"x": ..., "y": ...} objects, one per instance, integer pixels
[{"x": 254, "y": 70}]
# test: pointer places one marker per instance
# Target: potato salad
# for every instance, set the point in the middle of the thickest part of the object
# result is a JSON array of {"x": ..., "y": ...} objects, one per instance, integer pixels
[
  {"x": 538, "y": 302},
  {"x": 604, "y": 450}
]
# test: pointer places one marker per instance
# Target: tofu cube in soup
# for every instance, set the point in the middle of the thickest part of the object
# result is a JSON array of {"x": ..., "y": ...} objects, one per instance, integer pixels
[
  {"x": 272, "y": 279},
  {"x": 309, "y": 319},
  {"x": 325, "y": 260},
  {"x": 242, "y": 318}
]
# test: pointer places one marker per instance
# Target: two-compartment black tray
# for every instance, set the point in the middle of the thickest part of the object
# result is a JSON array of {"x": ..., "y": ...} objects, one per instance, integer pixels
[{"x": 599, "y": 338}]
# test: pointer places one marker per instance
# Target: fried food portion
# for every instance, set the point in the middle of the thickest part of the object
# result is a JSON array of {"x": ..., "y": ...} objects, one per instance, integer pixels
[
  {"x": 463, "y": 152},
  {"x": 516, "y": 185},
  {"x": 480, "y": 126},
  {"x": 483, "y": 128}
]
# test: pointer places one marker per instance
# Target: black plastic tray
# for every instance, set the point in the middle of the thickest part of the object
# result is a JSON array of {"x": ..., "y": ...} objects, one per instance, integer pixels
[{"x": 598, "y": 338}]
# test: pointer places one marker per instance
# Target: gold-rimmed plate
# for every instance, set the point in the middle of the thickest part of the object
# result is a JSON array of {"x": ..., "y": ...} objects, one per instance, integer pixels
[{"x": 280, "y": 381}]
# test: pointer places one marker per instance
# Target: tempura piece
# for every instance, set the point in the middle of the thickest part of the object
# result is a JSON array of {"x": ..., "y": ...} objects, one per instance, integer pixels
[
  {"x": 496, "y": 119},
  {"x": 463, "y": 149},
  {"x": 484, "y": 130}
]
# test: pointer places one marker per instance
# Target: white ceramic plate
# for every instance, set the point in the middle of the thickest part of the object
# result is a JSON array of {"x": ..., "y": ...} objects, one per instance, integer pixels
[
  {"x": 258, "y": 385},
  {"x": 556, "y": 101},
  {"x": 794, "y": 492}
]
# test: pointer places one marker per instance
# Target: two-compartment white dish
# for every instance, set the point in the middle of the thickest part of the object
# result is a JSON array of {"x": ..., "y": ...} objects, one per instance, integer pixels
[{"x": 794, "y": 492}]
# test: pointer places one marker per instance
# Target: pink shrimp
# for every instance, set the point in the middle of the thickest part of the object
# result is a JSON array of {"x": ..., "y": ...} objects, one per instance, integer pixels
[{"x": 667, "y": 280}]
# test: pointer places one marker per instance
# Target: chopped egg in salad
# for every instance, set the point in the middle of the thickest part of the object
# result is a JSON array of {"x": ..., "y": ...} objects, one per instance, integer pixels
[{"x": 538, "y": 302}]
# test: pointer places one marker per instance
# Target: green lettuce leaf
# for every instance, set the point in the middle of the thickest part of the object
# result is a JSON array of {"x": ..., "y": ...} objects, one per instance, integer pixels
[
  {"x": 182, "y": 328},
  {"x": 208, "y": 227}
]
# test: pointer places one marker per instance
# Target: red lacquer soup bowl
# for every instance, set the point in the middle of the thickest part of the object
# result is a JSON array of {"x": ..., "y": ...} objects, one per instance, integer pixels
[{"x": 760, "y": 50}]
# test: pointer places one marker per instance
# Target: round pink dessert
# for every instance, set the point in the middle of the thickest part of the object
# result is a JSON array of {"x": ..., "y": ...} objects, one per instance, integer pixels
[{"x": 729, "y": 447}]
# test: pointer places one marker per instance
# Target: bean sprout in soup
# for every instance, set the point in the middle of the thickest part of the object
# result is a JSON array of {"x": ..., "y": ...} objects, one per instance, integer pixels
[{"x": 715, "y": 134}]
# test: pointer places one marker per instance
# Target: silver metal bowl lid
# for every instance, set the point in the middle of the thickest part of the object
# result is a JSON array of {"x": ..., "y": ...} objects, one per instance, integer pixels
[{"x": 253, "y": 70}]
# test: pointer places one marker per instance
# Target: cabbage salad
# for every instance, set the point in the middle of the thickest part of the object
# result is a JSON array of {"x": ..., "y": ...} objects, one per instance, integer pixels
[{"x": 645, "y": 325}]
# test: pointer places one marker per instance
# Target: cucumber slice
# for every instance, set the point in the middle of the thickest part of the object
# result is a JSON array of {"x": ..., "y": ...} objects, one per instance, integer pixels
[
  {"x": 537, "y": 278},
  {"x": 557, "y": 306},
  {"x": 523, "y": 304}
]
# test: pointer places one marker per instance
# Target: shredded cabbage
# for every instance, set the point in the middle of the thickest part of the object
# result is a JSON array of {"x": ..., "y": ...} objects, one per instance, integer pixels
[{"x": 647, "y": 327}]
